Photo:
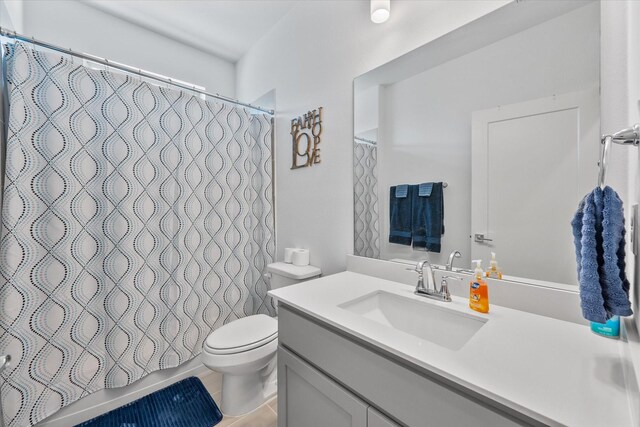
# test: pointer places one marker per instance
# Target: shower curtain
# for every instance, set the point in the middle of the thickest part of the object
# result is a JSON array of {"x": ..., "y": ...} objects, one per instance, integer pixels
[
  {"x": 365, "y": 196},
  {"x": 136, "y": 219}
]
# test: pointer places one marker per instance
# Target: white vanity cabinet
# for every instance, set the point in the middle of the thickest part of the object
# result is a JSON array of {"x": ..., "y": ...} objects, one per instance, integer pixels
[
  {"x": 326, "y": 378},
  {"x": 310, "y": 399},
  {"x": 376, "y": 419}
]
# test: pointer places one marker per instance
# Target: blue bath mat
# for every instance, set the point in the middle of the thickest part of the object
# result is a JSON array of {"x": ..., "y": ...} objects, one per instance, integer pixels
[{"x": 186, "y": 403}]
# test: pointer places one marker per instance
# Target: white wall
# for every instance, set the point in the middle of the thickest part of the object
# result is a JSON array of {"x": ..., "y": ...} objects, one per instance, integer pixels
[
  {"x": 633, "y": 101},
  {"x": 311, "y": 58},
  {"x": 80, "y": 27},
  {"x": 11, "y": 14},
  {"x": 425, "y": 120},
  {"x": 366, "y": 111},
  {"x": 620, "y": 108}
]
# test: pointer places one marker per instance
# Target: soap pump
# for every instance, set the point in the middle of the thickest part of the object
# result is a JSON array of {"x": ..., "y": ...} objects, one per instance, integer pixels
[
  {"x": 493, "y": 272},
  {"x": 478, "y": 290},
  {"x": 478, "y": 270}
]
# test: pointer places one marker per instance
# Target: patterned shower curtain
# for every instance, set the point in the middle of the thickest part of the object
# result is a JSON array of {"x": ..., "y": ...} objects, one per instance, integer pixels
[
  {"x": 365, "y": 196},
  {"x": 136, "y": 219}
]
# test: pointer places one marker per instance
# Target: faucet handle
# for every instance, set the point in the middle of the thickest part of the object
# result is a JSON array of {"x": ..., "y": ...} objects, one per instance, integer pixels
[{"x": 444, "y": 287}]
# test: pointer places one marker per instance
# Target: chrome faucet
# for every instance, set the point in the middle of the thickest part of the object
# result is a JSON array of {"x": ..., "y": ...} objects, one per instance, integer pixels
[
  {"x": 441, "y": 294},
  {"x": 452, "y": 255}
]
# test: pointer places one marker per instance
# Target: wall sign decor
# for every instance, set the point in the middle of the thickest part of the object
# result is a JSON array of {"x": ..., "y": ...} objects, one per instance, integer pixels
[{"x": 305, "y": 136}]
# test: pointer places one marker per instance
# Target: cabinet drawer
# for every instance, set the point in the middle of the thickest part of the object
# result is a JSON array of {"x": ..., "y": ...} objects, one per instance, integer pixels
[{"x": 409, "y": 396}]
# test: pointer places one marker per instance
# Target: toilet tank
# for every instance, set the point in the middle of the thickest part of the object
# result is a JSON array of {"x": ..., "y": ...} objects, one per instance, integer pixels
[{"x": 283, "y": 274}]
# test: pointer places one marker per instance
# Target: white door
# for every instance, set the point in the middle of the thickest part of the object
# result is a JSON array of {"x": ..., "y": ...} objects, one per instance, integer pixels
[{"x": 532, "y": 163}]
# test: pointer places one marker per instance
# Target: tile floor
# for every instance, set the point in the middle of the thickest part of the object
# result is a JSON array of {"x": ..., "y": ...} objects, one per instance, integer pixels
[{"x": 265, "y": 416}]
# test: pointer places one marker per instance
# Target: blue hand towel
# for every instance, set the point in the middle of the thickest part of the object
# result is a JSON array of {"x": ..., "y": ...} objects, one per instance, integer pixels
[
  {"x": 584, "y": 237},
  {"x": 615, "y": 285},
  {"x": 400, "y": 204},
  {"x": 598, "y": 230},
  {"x": 428, "y": 216}
]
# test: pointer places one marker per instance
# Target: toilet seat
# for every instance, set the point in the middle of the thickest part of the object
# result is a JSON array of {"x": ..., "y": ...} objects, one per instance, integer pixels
[
  {"x": 242, "y": 345},
  {"x": 242, "y": 335},
  {"x": 241, "y": 349}
]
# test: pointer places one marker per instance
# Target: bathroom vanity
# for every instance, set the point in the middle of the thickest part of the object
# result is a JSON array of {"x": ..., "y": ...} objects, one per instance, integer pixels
[{"x": 359, "y": 350}]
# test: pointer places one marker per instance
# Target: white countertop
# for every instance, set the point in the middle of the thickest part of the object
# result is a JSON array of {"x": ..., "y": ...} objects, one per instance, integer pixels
[{"x": 554, "y": 371}]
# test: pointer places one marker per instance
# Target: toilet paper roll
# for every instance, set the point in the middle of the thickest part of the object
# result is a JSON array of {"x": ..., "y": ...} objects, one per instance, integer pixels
[
  {"x": 300, "y": 257},
  {"x": 287, "y": 254}
]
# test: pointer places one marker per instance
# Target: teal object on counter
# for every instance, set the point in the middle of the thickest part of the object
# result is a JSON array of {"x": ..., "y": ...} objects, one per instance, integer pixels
[{"x": 609, "y": 329}]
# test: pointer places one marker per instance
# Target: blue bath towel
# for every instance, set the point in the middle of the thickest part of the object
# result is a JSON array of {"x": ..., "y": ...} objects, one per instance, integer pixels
[
  {"x": 598, "y": 230},
  {"x": 428, "y": 216},
  {"x": 400, "y": 204}
]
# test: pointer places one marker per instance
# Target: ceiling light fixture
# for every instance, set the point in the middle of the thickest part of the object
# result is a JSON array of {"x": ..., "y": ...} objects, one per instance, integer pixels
[{"x": 380, "y": 10}]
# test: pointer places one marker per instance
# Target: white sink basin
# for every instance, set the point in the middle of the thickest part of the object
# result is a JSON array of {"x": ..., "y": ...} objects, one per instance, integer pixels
[{"x": 429, "y": 322}]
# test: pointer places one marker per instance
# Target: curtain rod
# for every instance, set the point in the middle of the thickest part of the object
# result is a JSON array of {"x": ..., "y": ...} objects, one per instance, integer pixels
[{"x": 14, "y": 35}]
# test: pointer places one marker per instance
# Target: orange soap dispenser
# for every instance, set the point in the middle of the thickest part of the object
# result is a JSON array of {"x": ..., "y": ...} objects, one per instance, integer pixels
[{"x": 478, "y": 290}]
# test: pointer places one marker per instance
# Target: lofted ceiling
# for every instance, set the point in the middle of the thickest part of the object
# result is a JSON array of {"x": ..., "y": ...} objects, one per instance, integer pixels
[{"x": 224, "y": 28}]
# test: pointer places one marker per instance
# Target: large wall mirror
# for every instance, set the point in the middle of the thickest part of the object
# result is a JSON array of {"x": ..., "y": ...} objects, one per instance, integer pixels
[{"x": 484, "y": 140}]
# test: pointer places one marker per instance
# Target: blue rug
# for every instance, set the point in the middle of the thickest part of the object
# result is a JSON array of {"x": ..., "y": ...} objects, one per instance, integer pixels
[{"x": 184, "y": 404}]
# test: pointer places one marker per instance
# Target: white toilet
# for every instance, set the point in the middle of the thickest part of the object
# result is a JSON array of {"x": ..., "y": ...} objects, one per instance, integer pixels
[{"x": 244, "y": 350}]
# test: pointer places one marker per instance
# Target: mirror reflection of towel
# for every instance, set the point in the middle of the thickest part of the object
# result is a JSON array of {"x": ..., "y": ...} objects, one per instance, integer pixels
[
  {"x": 400, "y": 204},
  {"x": 428, "y": 216}
]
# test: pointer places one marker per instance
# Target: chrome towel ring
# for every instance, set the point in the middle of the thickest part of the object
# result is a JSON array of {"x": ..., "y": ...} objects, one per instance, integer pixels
[{"x": 629, "y": 136}]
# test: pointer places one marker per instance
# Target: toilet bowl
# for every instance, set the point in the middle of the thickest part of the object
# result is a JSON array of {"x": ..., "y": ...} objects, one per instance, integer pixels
[{"x": 244, "y": 350}]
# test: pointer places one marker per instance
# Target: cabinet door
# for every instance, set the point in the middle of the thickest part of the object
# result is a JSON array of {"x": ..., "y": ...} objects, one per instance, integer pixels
[
  {"x": 376, "y": 419},
  {"x": 307, "y": 398}
]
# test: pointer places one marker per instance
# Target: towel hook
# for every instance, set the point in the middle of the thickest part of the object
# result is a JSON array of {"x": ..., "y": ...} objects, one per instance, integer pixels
[{"x": 629, "y": 136}]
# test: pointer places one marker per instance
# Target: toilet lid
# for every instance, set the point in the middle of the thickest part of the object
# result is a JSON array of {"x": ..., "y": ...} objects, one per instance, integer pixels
[{"x": 243, "y": 334}]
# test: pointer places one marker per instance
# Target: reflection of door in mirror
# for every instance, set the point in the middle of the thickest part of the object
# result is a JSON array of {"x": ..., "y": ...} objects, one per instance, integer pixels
[{"x": 542, "y": 154}]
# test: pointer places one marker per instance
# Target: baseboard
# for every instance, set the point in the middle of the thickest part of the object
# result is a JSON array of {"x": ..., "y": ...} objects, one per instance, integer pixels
[{"x": 105, "y": 400}]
